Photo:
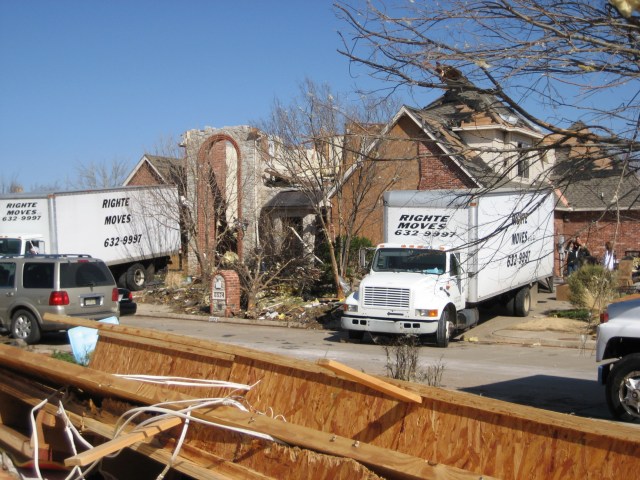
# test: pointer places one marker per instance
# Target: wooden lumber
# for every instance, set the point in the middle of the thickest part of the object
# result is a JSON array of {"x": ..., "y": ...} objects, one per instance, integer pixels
[
  {"x": 178, "y": 341},
  {"x": 16, "y": 441},
  {"x": 370, "y": 381},
  {"x": 458, "y": 429},
  {"x": 394, "y": 464},
  {"x": 209, "y": 467},
  {"x": 144, "y": 434},
  {"x": 402, "y": 465}
]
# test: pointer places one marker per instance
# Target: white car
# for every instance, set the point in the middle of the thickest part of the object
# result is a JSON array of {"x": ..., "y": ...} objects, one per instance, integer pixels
[{"x": 618, "y": 339}]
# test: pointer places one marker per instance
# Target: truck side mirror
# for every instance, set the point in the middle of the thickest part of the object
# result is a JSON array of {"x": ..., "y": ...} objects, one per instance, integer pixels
[{"x": 362, "y": 257}]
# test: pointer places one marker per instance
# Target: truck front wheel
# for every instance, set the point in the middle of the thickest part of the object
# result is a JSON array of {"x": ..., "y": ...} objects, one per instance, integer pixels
[
  {"x": 623, "y": 389},
  {"x": 444, "y": 330},
  {"x": 136, "y": 277},
  {"x": 24, "y": 326}
]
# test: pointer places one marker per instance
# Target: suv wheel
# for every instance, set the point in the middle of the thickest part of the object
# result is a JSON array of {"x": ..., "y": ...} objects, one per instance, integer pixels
[
  {"x": 24, "y": 326},
  {"x": 623, "y": 388}
]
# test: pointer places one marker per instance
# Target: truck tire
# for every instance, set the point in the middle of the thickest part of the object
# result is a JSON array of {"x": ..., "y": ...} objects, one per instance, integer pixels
[
  {"x": 443, "y": 333},
  {"x": 623, "y": 398},
  {"x": 136, "y": 277},
  {"x": 24, "y": 326},
  {"x": 522, "y": 302}
]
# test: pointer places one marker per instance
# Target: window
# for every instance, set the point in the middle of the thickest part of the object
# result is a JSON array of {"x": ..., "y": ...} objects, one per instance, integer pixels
[
  {"x": 523, "y": 160},
  {"x": 455, "y": 264},
  {"x": 10, "y": 246},
  {"x": 38, "y": 275},
  {"x": 82, "y": 274},
  {"x": 7, "y": 275}
]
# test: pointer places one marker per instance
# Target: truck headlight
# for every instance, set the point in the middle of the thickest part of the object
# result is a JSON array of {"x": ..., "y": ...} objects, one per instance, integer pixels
[
  {"x": 423, "y": 312},
  {"x": 350, "y": 308}
]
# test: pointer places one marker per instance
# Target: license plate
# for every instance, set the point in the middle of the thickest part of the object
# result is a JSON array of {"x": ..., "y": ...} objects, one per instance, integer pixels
[
  {"x": 218, "y": 295},
  {"x": 90, "y": 302}
]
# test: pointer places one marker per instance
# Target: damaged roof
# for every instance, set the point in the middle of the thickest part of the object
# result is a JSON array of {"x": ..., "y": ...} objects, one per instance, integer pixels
[
  {"x": 165, "y": 166},
  {"x": 582, "y": 189}
]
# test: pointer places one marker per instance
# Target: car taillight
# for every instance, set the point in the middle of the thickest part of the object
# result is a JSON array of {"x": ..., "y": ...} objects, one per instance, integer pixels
[
  {"x": 59, "y": 298},
  {"x": 604, "y": 317},
  {"x": 114, "y": 295}
]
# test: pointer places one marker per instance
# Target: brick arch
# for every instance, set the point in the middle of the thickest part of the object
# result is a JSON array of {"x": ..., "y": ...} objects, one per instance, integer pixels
[{"x": 217, "y": 161}]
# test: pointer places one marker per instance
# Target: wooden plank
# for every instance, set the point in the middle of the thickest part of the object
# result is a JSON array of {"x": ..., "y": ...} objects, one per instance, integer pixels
[
  {"x": 144, "y": 434},
  {"x": 16, "y": 441},
  {"x": 485, "y": 435},
  {"x": 370, "y": 381},
  {"x": 160, "y": 343},
  {"x": 221, "y": 469},
  {"x": 400, "y": 464},
  {"x": 179, "y": 341},
  {"x": 389, "y": 462}
]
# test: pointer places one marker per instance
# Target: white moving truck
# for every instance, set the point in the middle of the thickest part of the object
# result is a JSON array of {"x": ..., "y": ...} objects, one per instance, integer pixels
[
  {"x": 445, "y": 253},
  {"x": 134, "y": 230}
]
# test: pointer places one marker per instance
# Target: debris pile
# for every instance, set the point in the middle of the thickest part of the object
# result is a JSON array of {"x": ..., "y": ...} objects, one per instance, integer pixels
[{"x": 193, "y": 299}]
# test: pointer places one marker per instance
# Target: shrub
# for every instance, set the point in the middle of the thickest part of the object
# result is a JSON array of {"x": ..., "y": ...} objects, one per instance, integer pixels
[
  {"x": 592, "y": 287},
  {"x": 402, "y": 362}
]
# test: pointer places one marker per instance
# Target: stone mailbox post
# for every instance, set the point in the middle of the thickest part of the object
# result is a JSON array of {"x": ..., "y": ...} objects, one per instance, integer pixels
[{"x": 225, "y": 293}]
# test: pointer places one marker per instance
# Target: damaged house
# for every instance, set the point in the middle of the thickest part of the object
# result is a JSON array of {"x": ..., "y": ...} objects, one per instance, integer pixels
[{"x": 468, "y": 139}]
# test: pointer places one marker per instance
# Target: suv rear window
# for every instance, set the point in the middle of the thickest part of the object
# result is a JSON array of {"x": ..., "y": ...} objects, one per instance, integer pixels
[{"x": 82, "y": 274}]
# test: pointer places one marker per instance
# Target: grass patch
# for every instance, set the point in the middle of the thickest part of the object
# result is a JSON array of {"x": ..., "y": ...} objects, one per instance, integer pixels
[
  {"x": 582, "y": 314},
  {"x": 64, "y": 356}
]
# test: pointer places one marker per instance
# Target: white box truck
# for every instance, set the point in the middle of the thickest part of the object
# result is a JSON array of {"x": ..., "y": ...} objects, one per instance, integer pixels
[
  {"x": 134, "y": 230},
  {"x": 445, "y": 252}
]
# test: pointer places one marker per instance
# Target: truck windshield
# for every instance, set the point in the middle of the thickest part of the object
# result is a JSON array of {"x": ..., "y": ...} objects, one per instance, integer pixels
[
  {"x": 10, "y": 246},
  {"x": 409, "y": 260}
]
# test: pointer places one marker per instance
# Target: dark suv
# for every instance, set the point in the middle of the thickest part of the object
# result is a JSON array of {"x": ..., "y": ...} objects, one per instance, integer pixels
[{"x": 32, "y": 285}]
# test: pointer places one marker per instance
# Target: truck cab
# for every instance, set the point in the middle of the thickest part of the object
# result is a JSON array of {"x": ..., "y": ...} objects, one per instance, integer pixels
[
  {"x": 410, "y": 290},
  {"x": 22, "y": 245}
]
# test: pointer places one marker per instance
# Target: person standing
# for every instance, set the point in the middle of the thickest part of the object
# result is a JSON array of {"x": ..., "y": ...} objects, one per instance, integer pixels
[
  {"x": 609, "y": 258},
  {"x": 572, "y": 257}
]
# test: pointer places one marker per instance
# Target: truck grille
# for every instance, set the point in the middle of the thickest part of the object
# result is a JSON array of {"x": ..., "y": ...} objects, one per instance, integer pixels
[{"x": 386, "y": 297}]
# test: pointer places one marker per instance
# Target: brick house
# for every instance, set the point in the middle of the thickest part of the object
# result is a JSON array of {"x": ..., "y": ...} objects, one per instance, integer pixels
[
  {"x": 462, "y": 140},
  {"x": 467, "y": 139},
  {"x": 597, "y": 200}
]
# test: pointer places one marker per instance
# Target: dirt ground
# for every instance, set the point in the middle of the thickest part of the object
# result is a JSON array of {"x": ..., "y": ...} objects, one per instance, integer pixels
[{"x": 554, "y": 324}]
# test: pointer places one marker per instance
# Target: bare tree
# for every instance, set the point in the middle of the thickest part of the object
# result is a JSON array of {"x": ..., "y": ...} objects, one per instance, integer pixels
[
  {"x": 99, "y": 174},
  {"x": 10, "y": 185},
  {"x": 552, "y": 62},
  {"x": 316, "y": 140},
  {"x": 566, "y": 56},
  {"x": 569, "y": 69}
]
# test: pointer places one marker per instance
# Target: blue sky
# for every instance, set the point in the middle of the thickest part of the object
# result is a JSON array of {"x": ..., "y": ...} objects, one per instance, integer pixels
[{"x": 98, "y": 81}]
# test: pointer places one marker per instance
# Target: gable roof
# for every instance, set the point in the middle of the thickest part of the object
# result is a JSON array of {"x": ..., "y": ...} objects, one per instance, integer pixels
[{"x": 164, "y": 167}]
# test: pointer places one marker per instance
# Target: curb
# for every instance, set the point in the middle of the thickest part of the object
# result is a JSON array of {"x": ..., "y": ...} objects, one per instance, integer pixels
[{"x": 216, "y": 319}]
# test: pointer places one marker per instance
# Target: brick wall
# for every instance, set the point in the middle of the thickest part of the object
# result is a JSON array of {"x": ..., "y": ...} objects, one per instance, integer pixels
[
  {"x": 212, "y": 167},
  {"x": 145, "y": 175},
  {"x": 232, "y": 293},
  {"x": 596, "y": 228},
  {"x": 406, "y": 160},
  {"x": 439, "y": 171}
]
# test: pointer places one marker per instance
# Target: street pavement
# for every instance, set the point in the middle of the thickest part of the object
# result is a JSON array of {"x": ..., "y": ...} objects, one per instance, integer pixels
[{"x": 495, "y": 325}]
